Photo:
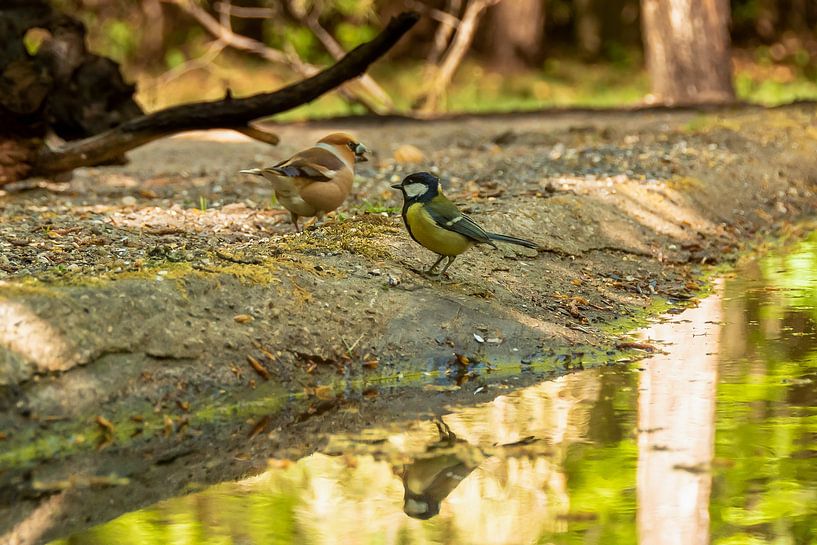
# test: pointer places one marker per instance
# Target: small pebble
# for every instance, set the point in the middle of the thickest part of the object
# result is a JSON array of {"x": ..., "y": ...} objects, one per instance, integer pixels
[{"x": 409, "y": 154}]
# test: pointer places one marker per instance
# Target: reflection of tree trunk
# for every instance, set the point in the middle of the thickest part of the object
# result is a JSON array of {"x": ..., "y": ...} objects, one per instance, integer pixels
[
  {"x": 605, "y": 426},
  {"x": 676, "y": 433},
  {"x": 515, "y": 34},
  {"x": 687, "y": 49}
]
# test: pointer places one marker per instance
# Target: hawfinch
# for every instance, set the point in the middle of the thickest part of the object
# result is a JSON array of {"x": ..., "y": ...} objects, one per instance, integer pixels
[{"x": 316, "y": 180}]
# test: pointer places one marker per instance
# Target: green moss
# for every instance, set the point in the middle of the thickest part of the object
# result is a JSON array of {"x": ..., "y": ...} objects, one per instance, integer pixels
[
  {"x": 66, "y": 438},
  {"x": 362, "y": 237}
]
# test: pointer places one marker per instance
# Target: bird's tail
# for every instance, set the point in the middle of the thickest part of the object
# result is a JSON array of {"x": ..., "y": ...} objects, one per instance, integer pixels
[
  {"x": 256, "y": 171},
  {"x": 513, "y": 240}
]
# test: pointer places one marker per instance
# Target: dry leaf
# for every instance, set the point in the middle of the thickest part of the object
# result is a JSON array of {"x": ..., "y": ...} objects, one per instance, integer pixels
[
  {"x": 260, "y": 369},
  {"x": 105, "y": 424},
  {"x": 324, "y": 393}
]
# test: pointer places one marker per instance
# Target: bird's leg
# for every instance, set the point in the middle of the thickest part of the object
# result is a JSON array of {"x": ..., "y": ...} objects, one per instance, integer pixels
[
  {"x": 431, "y": 269},
  {"x": 451, "y": 259},
  {"x": 294, "y": 217},
  {"x": 444, "y": 431}
]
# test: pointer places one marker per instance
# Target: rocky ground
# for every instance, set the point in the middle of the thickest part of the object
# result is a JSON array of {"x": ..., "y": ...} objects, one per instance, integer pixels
[{"x": 161, "y": 323}]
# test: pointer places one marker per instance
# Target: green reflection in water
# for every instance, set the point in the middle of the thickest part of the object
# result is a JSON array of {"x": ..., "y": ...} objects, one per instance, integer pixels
[{"x": 715, "y": 442}]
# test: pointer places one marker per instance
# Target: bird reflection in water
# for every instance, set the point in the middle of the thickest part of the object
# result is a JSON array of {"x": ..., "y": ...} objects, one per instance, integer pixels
[{"x": 430, "y": 478}]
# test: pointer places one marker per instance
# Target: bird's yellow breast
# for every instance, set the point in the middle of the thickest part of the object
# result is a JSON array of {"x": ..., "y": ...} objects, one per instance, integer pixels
[{"x": 425, "y": 230}]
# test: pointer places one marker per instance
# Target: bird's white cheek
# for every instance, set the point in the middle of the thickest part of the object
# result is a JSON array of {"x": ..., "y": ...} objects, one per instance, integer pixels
[
  {"x": 414, "y": 507},
  {"x": 414, "y": 190}
]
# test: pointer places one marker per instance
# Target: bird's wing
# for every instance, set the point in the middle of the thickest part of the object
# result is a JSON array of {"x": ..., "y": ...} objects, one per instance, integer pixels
[
  {"x": 446, "y": 215},
  {"x": 316, "y": 164}
]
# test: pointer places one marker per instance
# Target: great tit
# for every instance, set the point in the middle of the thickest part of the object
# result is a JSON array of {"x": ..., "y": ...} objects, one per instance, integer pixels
[
  {"x": 430, "y": 478},
  {"x": 316, "y": 180},
  {"x": 435, "y": 222}
]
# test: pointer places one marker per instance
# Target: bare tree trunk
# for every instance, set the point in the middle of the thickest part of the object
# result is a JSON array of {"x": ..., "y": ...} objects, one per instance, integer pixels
[
  {"x": 516, "y": 32},
  {"x": 688, "y": 50},
  {"x": 444, "y": 31},
  {"x": 456, "y": 52}
]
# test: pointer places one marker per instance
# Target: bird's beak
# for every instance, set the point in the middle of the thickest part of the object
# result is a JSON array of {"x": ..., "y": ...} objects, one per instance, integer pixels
[
  {"x": 360, "y": 153},
  {"x": 256, "y": 171},
  {"x": 397, "y": 186}
]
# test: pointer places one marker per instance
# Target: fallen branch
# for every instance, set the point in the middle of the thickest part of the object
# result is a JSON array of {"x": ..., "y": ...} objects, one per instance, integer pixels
[{"x": 229, "y": 113}]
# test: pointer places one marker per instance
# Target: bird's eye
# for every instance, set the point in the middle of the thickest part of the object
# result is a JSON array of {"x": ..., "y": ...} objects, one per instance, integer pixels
[{"x": 352, "y": 146}]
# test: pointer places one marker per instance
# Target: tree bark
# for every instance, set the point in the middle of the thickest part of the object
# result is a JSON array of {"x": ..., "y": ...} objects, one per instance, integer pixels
[
  {"x": 688, "y": 51},
  {"x": 63, "y": 86},
  {"x": 515, "y": 32}
]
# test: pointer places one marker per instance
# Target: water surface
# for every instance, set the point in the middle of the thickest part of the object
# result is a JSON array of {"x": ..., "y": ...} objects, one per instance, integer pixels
[{"x": 713, "y": 441}]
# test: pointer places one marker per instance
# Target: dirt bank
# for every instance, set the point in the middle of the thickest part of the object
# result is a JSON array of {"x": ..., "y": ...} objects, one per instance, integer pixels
[{"x": 160, "y": 323}]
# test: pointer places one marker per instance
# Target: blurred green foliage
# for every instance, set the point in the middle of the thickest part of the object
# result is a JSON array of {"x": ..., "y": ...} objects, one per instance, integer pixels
[{"x": 775, "y": 53}]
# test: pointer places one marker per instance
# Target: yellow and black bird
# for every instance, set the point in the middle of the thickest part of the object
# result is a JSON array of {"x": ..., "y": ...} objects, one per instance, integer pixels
[
  {"x": 435, "y": 222},
  {"x": 318, "y": 179},
  {"x": 432, "y": 476}
]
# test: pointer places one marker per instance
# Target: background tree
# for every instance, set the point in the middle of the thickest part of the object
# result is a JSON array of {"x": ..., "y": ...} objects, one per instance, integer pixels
[
  {"x": 515, "y": 34},
  {"x": 688, "y": 57}
]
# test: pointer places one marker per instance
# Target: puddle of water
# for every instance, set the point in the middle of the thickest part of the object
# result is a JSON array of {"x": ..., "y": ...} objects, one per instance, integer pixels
[{"x": 713, "y": 442}]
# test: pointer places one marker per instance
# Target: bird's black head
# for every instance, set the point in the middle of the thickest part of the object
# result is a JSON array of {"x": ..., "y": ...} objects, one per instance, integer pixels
[{"x": 419, "y": 187}]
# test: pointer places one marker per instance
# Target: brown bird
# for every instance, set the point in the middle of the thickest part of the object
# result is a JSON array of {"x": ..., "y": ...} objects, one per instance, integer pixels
[{"x": 316, "y": 180}]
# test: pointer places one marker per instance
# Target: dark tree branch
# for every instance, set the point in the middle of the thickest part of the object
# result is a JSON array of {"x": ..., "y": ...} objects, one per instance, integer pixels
[{"x": 228, "y": 113}]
